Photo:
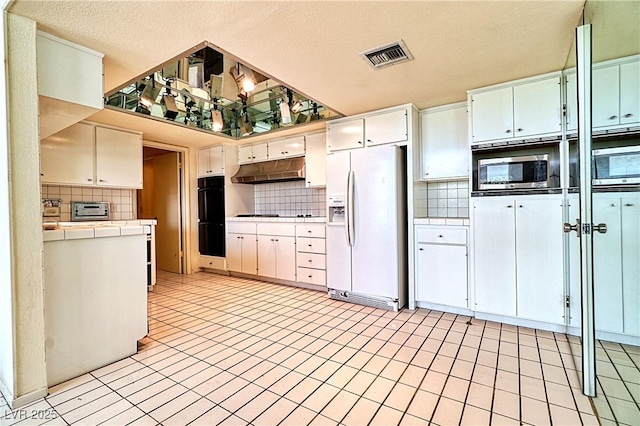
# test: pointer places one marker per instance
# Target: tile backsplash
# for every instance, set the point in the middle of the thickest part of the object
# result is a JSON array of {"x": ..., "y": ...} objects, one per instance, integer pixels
[
  {"x": 121, "y": 200},
  {"x": 289, "y": 199},
  {"x": 441, "y": 199}
]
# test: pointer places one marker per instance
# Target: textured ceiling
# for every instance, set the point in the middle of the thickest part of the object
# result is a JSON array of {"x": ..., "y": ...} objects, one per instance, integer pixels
[{"x": 313, "y": 46}]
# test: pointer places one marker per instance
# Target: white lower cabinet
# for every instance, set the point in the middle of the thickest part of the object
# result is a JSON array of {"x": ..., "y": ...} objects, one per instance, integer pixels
[
  {"x": 284, "y": 251},
  {"x": 242, "y": 248},
  {"x": 277, "y": 251},
  {"x": 518, "y": 257},
  {"x": 441, "y": 266},
  {"x": 616, "y": 266},
  {"x": 277, "y": 257},
  {"x": 310, "y": 255}
]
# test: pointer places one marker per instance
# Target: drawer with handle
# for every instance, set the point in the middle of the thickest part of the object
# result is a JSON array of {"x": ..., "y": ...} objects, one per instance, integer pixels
[
  {"x": 312, "y": 276},
  {"x": 441, "y": 235},
  {"x": 310, "y": 230},
  {"x": 311, "y": 260},
  {"x": 311, "y": 245}
]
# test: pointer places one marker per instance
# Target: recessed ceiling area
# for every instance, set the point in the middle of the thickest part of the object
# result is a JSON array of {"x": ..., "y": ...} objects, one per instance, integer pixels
[
  {"x": 314, "y": 45},
  {"x": 207, "y": 89}
]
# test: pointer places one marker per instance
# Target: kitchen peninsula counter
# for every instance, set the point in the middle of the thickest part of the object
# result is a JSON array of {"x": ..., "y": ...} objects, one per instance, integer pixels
[{"x": 95, "y": 282}]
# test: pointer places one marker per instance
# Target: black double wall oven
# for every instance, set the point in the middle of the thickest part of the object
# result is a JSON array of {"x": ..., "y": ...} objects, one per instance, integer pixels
[{"x": 211, "y": 230}]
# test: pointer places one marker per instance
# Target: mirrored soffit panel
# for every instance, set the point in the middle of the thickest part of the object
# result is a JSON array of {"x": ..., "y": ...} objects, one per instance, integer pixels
[{"x": 209, "y": 90}]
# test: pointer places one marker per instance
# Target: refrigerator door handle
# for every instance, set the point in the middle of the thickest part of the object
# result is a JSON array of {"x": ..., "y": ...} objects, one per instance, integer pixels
[
  {"x": 347, "y": 208},
  {"x": 350, "y": 213}
]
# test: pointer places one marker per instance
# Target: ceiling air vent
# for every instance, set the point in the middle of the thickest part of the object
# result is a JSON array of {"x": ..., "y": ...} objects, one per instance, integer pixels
[{"x": 389, "y": 54}]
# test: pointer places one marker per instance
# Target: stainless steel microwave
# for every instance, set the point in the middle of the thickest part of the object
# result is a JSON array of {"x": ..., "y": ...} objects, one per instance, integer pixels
[
  {"x": 531, "y": 171},
  {"x": 615, "y": 166}
]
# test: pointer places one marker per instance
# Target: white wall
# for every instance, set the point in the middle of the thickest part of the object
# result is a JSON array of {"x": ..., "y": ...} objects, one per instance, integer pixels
[
  {"x": 30, "y": 378},
  {"x": 6, "y": 310}
]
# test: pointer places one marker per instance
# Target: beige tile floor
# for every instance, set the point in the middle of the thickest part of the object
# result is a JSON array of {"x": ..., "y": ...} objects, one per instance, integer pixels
[
  {"x": 617, "y": 381},
  {"x": 227, "y": 350}
]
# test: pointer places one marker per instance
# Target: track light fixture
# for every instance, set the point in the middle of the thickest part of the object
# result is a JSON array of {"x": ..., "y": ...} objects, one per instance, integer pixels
[
  {"x": 294, "y": 104},
  {"x": 170, "y": 109},
  {"x": 246, "y": 128},
  {"x": 216, "y": 117},
  {"x": 285, "y": 111},
  {"x": 245, "y": 79}
]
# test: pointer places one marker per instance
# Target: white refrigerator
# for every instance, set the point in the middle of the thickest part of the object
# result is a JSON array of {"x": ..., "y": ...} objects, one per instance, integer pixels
[{"x": 366, "y": 228}]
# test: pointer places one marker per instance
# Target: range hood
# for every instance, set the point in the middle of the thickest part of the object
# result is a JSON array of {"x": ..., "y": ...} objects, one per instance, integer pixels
[{"x": 271, "y": 171}]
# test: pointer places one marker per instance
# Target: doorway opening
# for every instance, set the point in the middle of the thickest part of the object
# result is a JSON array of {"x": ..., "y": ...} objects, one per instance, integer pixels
[{"x": 162, "y": 198}]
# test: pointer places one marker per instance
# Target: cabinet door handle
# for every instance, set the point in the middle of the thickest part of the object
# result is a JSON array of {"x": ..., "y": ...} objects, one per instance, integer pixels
[
  {"x": 520, "y": 206},
  {"x": 41, "y": 174},
  {"x": 421, "y": 249},
  {"x": 309, "y": 261},
  {"x": 613, "y": 117},
  {"x": 519, "y": 130},
  {"x": 601, "y": 228},
  {"x": 277, "y": 239},
  {"x": 440, "y": 236},
  {"x": 629, "y": 205},
  {"x": 369, "y": 140},
  {"x": 508, "y": 131},
  {"x": 309, "y": 245},
  {"x": 628, "y": 115},
  {"x": 309, "y": 231},
  {"x": 89, "y": 180},
  {"x": 310, "y": 276},
  {"x": 360, "y": 142},
  {"x": 101, "y": 180},
  {"x": 509, "y": 207}
]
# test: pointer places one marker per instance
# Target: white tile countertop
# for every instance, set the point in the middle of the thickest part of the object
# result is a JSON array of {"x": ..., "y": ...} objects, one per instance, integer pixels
[
  {"x": 449, "y": 221},
  {"x": 83, "y": 230},
  {"x": 315, "y": 219}
]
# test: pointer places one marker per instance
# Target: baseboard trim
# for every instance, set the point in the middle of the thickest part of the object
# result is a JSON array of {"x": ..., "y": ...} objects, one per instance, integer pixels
[
  {"x": 521, "y": 322},
  {"x": 23, "y": 400},
  {"x": 445, "y": 308},
  {"x": 277, "y": 281}
]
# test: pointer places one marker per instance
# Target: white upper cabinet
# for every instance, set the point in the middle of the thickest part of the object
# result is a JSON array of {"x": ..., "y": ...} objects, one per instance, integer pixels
[
  {"x": 630, "y": 93},
  {"x": 492, "y": 116},
  {"x": 345, "y": 134},
  {"x": 388, "y": 127},
  {"x": 571, "y": 114},
  {"x": 88, "y": 155},
  {"x": 315, "y": 161},
  {"x": 606, "y": 97},
  {"x": 70, "y": 83},
  {"x": 290, "y": 147},
  {"x": 118, "y": 158},
  {"x": 615, "y": 95},
  {"x": 260, "y": 152},
  {"x": 252, "y": 153},
  {"x": 211, "y": 161},
  {"x": 376, "y": 128},
  {"x": 245, "y": 154},
  {"x": 68, "y": 156},
  {"x": 69, "y": 72},
  {"x": 445, "y": 147},
  {"x": 537, "y": 108},
  {"x": 523, "y": 109}
]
